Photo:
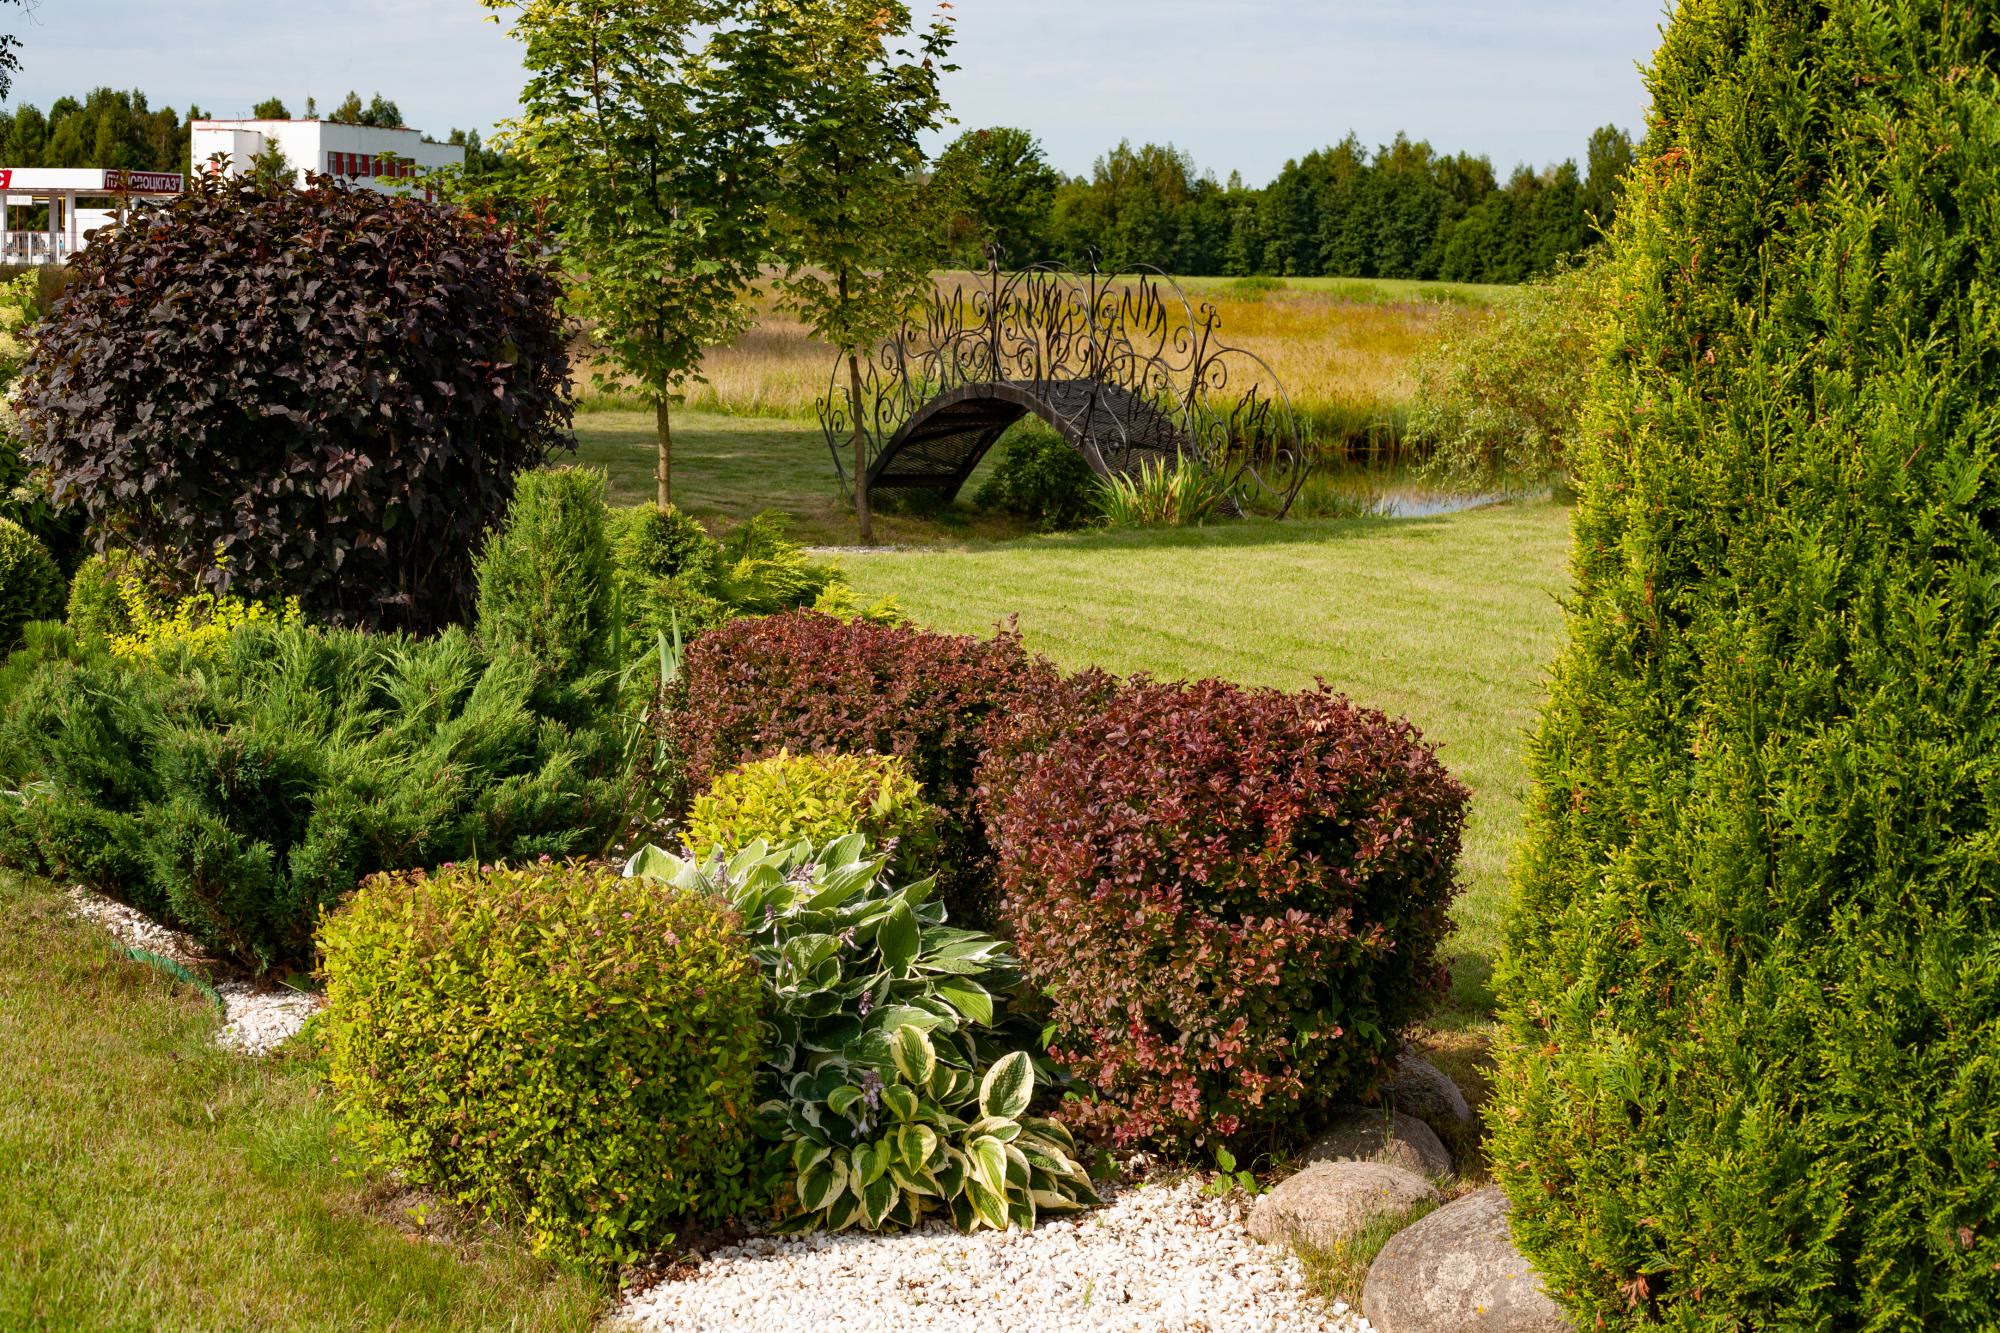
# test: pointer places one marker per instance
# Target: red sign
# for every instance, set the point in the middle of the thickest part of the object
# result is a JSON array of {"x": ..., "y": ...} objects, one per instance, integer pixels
[
  {"x": 6, "y": 177},
  {"x": 141, "y": 182}
]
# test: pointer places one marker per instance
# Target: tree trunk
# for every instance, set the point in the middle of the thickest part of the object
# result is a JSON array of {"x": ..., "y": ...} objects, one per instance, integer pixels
[
  {"x": 861, "y": 514},
  {"x": 663, "y": 473}
]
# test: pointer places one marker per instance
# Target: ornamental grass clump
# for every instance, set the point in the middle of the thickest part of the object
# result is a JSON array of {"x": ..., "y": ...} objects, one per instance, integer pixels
[
  {"x": 1751, "y": 984},
  {"x": 550, "y": 1044},
  {"x": 1233, "y": 901},
  {"x": 895, "y": 1085}
]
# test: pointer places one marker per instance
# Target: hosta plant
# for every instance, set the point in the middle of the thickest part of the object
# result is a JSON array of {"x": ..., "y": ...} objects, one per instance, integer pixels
[{"x": 889, "y": 1092}]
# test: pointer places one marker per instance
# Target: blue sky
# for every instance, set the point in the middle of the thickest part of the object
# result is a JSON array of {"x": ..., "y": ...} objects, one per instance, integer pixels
[{"x": 1241, "y": 84}]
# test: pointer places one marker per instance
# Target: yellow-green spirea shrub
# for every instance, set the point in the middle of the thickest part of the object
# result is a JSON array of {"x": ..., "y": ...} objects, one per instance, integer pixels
[
  {"x": 549, "y": 1043},
  {"x": 816, "y": 798},
  {"x": 1749, "y": 1071}
]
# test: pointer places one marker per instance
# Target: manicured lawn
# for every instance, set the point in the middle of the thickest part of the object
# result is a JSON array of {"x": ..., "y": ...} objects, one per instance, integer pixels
[
  {"x": 151, "y": 1181},
  {"x": 1449, "y": 621},
  {"x": 727, "y": 468}
]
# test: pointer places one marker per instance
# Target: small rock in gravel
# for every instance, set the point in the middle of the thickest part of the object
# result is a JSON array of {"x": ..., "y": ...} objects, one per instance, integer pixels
[
  {"x": 1458, "y": 1269},
  {"x": 1421, "y": 1089},
  {"x": 1382, "y": 1135},
  {"x": 1161, "y": 1257},
  {"x": 1330, "y": 1201}
]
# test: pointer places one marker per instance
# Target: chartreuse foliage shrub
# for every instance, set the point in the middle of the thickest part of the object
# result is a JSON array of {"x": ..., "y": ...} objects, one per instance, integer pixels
[
  {"x": 194, "y": 627},
  {"x": 894, "y": 1087},
  {"x": 31, "y": 587},
  {"x": 545, "y": 587},
  {"x": 1233, "y": 901},
  {"x": 815, "y": 684},
  {"x": 238, "y": 793},
  {"x": 549, "y": 1043},
  {"x": 1751, "y": 988},
  {"x": 816, "y": 798},
  {"x": 321, "y": 393}
]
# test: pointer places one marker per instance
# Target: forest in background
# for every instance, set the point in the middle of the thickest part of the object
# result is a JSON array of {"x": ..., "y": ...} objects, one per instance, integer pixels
[{"x": 1402, "y": 210}]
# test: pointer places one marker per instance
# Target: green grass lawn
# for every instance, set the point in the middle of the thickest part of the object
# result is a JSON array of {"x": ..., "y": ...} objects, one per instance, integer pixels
[
  {"x": 1448, "y": 621},
  {"x": 728, "y": 468},
  {"x": 152, "y": 1181}
]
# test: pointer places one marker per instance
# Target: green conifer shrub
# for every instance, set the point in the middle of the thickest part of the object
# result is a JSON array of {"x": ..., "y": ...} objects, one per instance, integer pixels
[
  {"x": 545, "y": 584},
  {"x": 31, "y": 587},
  {"x": 1751, "y": 988},
  {"x": 551, "y": 1043}
]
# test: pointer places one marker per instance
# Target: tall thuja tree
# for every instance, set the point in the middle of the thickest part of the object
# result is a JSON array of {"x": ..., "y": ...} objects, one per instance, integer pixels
[
  {"x": 644, "y": 149},
  {"x": 1750, "y": 1075},
  {"x": 857, "y": 84}
]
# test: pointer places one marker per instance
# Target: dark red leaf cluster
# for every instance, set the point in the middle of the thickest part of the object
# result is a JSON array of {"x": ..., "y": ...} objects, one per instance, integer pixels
[
  {"x": 813, "y": 684},
  {"x": 323, "y": 393},
  {"x": 1233, "y": 899}
]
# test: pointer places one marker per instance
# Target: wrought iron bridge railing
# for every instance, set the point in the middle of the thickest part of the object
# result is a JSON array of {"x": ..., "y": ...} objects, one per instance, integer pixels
[{"x": 1125, "y": 367}]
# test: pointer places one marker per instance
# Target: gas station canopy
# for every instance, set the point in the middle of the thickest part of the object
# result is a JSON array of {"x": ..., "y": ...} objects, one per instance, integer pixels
[{"x": 67, "y": 225}]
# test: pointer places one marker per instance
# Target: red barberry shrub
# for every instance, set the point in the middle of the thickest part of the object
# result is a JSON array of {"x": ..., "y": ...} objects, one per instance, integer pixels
[
  {"x": 1233, "y": 900},
  {"x": 813, "y": 684}
]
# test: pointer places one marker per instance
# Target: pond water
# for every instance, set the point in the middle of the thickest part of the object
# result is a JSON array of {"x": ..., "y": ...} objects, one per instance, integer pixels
[{"x": 1391, "y": 490}]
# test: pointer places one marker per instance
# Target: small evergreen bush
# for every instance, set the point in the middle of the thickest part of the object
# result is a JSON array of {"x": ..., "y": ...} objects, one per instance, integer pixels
[
  {"x": 1233, "y": 901},
  {"x": 31, "y": 587},
  {"x": 550, "y": 1043},
  {"x": 813, "y": 684},
  {"x": 818, "y": 798},
  {"x": 321, "y": 393},
  {"x": 1750, "y": 991},
  {"x": 238, "y": 793},
  {"x": 1041, "y": 477},
  {"x": 545, "y": 586},
  {"x": 97, "y": 607}
]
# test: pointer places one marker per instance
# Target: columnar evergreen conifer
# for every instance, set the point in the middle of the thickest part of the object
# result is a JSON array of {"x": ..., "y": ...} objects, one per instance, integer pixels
[{"x": 1750, "y": 1075}]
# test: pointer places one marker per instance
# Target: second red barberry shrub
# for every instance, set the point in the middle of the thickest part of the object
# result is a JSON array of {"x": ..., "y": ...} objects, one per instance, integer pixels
[{"x": 1233, "y": 900}]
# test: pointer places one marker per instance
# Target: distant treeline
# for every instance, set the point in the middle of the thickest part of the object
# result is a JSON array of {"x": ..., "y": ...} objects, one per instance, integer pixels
[
  {"x": 115, "y": 128},
  {"x": 1402, "y": 211}
]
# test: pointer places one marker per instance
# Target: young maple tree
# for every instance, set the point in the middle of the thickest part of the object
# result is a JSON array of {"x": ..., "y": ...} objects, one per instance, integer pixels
[{"x": 645, "y": 151}]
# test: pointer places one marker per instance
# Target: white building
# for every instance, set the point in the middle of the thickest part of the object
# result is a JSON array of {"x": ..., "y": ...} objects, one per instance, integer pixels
[{"x": 367, "y": 156}]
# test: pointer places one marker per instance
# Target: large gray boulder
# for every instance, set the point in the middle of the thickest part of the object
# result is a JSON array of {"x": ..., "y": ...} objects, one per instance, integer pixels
[
  {"x": 1457, "y": 1269},
  {"x": 1421, "y": 1089},
  {"x": 1382, "y": 1135},
  {"x": 1330, "y": 1201}
]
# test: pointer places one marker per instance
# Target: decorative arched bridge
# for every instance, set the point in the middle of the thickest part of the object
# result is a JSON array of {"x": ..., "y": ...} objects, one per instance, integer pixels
[{"x": 1126, "y": 368}]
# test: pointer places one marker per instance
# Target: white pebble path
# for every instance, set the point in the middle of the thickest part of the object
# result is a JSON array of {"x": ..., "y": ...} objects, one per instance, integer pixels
[
  {"x": 254, "y": 1022},
  {"x": 1153, "y": 1258}
]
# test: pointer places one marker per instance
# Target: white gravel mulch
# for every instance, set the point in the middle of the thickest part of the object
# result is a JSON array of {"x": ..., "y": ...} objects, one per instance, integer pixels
[
  {"x": 254, "y": 1021},
  {"x": 1153, "y": 1258}
]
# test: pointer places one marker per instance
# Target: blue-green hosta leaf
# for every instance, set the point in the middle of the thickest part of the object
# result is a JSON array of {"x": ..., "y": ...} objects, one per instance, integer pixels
[
  {"x": 896, "y": 937},
  {"x": 837, "y": 887},
  {"x": 970, "y": 999},
  {"x": 1008, "y": 1086},
  {"x": 915, "y": 1057},
  {"x": 900, "y": 1101}
]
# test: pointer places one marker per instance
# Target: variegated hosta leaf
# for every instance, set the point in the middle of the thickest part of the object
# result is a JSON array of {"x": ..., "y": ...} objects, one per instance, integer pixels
[
  {"x": 1008, "y": 1086},
  {"x": 915, "y": 1056},
  {"x": 899, "y": 1102}
]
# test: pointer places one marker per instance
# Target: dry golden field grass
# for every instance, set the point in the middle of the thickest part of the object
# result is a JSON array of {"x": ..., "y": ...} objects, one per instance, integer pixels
[{"x": 1341, "y": 349}]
